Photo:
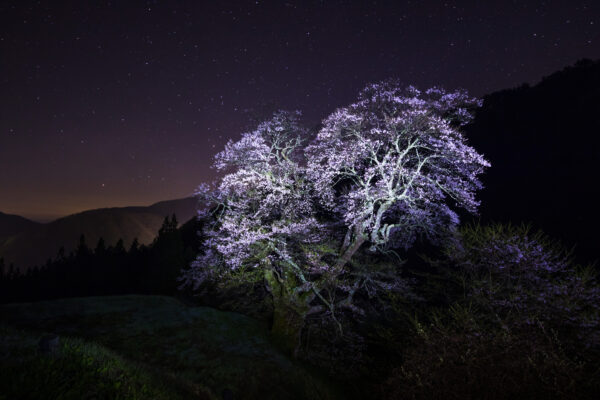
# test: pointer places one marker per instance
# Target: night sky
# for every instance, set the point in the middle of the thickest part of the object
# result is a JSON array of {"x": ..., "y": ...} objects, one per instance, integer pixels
[{"x": 114, "y": 103}]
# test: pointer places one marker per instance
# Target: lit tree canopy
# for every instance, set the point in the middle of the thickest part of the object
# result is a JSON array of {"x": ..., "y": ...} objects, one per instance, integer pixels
[
  {"x": 381, "y": 171},
  {"x": 394, "y": 163},
  {"x": 263, "y": 203}
]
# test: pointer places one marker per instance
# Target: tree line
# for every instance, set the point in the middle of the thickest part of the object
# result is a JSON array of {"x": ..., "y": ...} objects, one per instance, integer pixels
[{"x": 107, "y": 270}]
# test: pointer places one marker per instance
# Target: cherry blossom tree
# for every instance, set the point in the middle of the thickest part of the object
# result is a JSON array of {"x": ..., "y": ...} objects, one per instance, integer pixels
[
  {"x": 264, "y": 218},
  {"x": 261, "y": 204},
  {"x": 394, "y": 165},
  {"x": 390, "y": 167}
]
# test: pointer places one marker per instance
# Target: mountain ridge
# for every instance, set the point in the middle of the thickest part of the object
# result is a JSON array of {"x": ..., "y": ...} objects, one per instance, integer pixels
[
  {"x": 11, "y": 224},
  {"x": 111, "y": 224},
  {"x": 542, "y": 143}
]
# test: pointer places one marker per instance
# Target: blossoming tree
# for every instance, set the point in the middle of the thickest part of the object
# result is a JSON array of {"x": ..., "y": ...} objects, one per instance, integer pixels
[
  {"x": 390, "y": 167},
  {"x": 394, "y": 164}
]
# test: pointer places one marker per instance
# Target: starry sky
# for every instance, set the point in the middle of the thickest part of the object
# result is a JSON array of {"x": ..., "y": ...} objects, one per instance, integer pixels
[{"x": 114, "y": 103}]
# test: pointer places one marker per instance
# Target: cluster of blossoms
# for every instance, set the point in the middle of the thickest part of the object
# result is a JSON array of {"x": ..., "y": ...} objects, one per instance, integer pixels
[
  {"x": 379, "y": 173},
  {"x": 393, "y": 164},
  {"x": 260, "y": 212}
]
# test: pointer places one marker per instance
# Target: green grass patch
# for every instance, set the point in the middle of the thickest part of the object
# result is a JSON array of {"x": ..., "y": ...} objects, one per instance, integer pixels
[
  {"x": 198, "y": 347},
  {"x": 80, "y": 370}
]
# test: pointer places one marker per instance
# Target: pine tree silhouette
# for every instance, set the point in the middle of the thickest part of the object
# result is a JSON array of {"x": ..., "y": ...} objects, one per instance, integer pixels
[{"x": 100, "y": 247}]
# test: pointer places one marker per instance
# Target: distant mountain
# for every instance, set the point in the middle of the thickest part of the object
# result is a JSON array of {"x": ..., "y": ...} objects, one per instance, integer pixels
[
  {"x": 33, "y": 245},
  {"x": 543, "y": 143},
  {"x": 13, "y": 224}
]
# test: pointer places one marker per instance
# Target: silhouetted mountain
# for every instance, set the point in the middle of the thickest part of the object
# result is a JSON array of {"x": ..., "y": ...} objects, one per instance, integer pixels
[
  {"x": 542, "y": 142},
  {"x": 13, "y": 224},
  {"x": 34, "y": 246}
]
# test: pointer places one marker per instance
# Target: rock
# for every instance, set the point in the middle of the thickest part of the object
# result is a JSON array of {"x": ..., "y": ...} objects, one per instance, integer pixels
[
  {"x": 49, "y": 344},
  {"x": 227, "y": 394}
]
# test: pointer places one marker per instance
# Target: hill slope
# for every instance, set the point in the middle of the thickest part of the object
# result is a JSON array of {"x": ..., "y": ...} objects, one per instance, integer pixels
[
  {"x": 195, "y": 346},
  {"x": 34, "y": 246},
  {"x": 84, "y": 370},
  {"x": 542, "y": 143},
  {"x": 13, "y": 224}
]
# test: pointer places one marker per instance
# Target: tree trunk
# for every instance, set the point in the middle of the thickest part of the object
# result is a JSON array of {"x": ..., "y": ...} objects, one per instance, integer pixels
[{"x": 290, "y": 308}]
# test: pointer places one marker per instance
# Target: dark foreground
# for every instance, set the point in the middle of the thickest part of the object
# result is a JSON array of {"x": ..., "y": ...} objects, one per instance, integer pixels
[{"x": 144, "y": 347}]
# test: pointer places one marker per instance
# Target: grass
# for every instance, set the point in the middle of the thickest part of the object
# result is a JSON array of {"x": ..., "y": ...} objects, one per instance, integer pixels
[
  {"x": 160, "y": 347},
  {"x": 80, "y": 370}
]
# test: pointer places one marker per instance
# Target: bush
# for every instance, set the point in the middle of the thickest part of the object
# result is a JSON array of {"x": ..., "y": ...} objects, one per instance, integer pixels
[
  {"x": 521, "y": 277},
  {"x": 508, "y": 315},
  {"x": 458, "y": 358}
]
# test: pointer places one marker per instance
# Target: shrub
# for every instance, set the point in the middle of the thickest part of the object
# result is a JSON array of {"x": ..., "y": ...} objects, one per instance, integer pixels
[
  {"x": 520, "y": 277},
  {"x": 457, "y": 357},
  {"x": 508, "y": 315}
]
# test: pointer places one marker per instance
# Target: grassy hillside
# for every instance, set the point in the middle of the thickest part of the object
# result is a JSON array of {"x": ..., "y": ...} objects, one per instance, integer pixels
[
  {"x": 155, "y": 345},
  {"x": 84, "y": 370}
]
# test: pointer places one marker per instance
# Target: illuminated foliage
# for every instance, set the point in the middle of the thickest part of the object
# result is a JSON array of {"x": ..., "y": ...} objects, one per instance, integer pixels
[{"x": 380, "y": 172}]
